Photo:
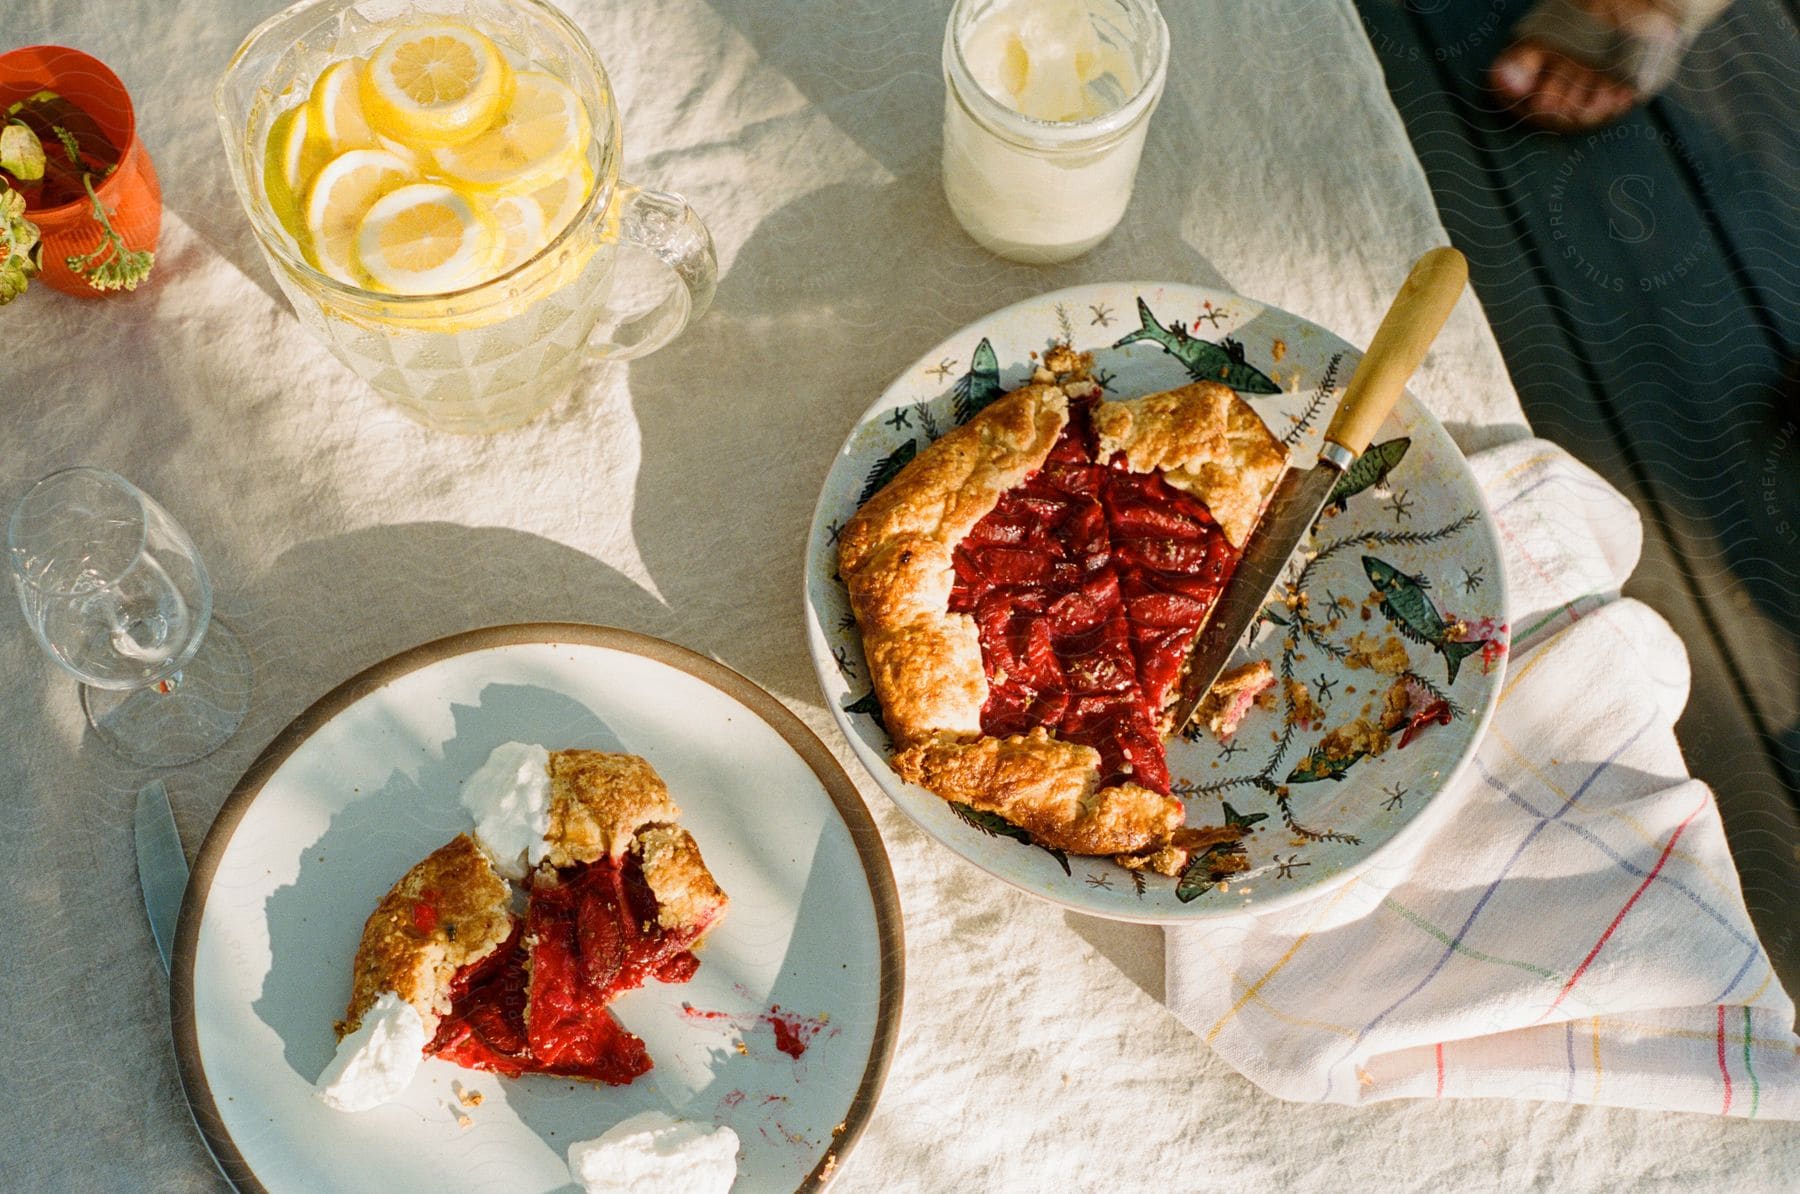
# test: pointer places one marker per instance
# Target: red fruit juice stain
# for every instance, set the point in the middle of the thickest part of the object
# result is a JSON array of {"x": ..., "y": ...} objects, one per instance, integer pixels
[
  {"x": 793, "y": 1032},
  {"x": 694, "y": 1013}
]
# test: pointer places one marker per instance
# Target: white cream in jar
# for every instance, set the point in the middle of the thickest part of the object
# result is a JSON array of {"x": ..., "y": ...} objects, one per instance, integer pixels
[{"x": 1046, "y": 107}]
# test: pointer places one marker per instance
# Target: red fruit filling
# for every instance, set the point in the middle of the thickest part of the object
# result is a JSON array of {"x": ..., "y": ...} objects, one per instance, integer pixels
[
  {"x": 595, "y": 936},
  {"x": 1088, "y": 583}
]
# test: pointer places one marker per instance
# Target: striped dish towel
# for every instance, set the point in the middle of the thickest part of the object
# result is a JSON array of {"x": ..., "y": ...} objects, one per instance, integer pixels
[{"x": 1574, "y": 930}]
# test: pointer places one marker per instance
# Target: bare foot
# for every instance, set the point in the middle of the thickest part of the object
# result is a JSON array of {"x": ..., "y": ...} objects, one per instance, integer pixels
[{"x": 1551, "y": 87}]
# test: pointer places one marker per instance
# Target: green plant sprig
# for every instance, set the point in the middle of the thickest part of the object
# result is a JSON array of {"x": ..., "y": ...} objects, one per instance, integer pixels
[{"x": 111, "y": 266}]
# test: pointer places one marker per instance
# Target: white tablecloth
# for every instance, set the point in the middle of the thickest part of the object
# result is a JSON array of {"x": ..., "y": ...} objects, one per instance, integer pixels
[{"x": 671, "y": 497}]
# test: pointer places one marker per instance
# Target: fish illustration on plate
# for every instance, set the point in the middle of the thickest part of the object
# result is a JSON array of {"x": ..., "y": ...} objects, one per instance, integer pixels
[
  {"x": 994, "y": 825},
  {"x": 1410, "y": 609},
  {"x": 1222, "y": 855},
  {"x": 977, "y": 389},
  {"x": 1371, "y": 468},
  {"x": 1321, "y": 766},
  {"x": 867, "y": 704},
  {"x": 886, "y": 469},
  {"x": 1205, "y": 361}
]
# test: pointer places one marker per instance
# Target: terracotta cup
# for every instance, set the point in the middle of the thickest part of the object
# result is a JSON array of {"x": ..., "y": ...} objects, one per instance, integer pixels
[{"x": 131, "y": 195}]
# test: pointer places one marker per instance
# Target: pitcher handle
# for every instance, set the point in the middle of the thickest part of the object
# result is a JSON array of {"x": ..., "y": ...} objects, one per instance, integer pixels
[{"x": 665, "y": 226}]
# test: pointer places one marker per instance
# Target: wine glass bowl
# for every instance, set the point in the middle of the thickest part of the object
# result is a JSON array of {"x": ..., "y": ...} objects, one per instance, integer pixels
[{"x": 118, "y": 596}]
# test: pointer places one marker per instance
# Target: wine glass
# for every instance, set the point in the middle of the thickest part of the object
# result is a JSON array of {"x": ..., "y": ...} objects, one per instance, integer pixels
[{"x": 118, "y": 597}]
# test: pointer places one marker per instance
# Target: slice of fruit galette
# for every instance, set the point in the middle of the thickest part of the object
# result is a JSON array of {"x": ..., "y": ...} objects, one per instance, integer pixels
[
  {"x": 1028, "y": 589},
  {"x": 616, "y": 894}
]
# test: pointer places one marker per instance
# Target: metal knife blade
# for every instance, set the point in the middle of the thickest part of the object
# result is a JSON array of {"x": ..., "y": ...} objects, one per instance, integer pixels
[
  {"x": 162, "y": 867},
  {"x": 1288, "y": 518}
]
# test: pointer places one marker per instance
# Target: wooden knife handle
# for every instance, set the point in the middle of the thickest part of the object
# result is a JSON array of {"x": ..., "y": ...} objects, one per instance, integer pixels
[{"x": 1407, "y": 330}]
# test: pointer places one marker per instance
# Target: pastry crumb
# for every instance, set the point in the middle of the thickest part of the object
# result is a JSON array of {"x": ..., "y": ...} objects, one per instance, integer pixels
[
  {"x": 1232, "y": 696},
  {"x": 1386, "y": 655},
  {"x": 1306, "y": 710},
  {"x": 1188, "y": 843}
]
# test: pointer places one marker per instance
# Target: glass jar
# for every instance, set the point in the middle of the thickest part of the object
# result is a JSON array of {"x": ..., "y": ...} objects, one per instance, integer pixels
[{"x": 1032, "y": 188}]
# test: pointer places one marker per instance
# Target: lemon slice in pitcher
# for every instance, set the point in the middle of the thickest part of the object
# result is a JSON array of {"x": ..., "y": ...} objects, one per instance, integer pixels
[
  {"x": 335, "y": 108},
  {"x": 342, "y": 193},
  {"x": 435, "y": 85},
  {"x": 290, "y": 158},
  {"x": 521, "y": 223},
  {"x": 540, "y": 135},
  {"x": 561, "y": 197},
  {"x": 428, "y": 238}
]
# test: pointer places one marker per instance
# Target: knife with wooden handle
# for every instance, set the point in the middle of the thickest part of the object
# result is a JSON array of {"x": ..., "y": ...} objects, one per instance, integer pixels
[{"x": 1407, "y": 330}]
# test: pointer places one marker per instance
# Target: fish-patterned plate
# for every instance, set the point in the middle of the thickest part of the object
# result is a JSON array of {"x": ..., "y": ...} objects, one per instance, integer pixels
[{"x": 1388, "y": 640}]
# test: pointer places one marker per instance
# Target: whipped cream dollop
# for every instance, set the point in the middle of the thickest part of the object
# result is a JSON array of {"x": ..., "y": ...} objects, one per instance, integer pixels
[
  {"x": 654, "y": 1151},
  {"x": 1045, "y": 59},
  {"x": 509, "y": 797},
  {"x": 378, "y": 1060}
]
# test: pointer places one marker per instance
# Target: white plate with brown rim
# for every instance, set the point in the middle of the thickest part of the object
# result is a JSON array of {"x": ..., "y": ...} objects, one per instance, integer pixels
[{"x": 784, "y": 1034}]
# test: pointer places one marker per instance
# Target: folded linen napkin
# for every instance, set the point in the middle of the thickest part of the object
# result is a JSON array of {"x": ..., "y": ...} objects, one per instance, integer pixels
[{"x": 1574, "y": 930}]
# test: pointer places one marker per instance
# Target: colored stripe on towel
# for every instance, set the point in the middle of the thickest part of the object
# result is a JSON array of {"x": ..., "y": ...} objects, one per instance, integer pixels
[
  {"x": 1750, "y": 1070},
  {"x": 1724, "y": 1070},
  {"x": 1444, "y": 938},
  {"x": 1705, "y": 799},
  {"x": 1213, "y": 1032},
  {"x": 1480, "y": 903}
]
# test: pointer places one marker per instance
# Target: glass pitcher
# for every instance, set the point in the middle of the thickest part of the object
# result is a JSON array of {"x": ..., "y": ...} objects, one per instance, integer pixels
[{"x": 495, "y": 354}]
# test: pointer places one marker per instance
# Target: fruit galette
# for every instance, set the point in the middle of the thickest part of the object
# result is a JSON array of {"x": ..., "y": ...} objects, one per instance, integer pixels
[
  {"x": 615, "y": 894},
  {"x": 1028, "y": 589}
]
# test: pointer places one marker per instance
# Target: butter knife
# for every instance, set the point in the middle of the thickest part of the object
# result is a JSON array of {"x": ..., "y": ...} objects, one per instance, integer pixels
[
  {"x": 1407, "y": 330},
  {"x": 162, "y": 867}
]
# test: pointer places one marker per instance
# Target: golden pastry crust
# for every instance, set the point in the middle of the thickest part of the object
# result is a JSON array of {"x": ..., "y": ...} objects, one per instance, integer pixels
[
  {"x": 454, "y": 908},
  {"x": 598, "y": 802},
  {"x": 1045, "y": 786},
  {"x": 1206, "y": 441},
  {"x": 686, "y": 893},
  {"x": 449, "y": 911},
  {"x": 896, "y": 558}
]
